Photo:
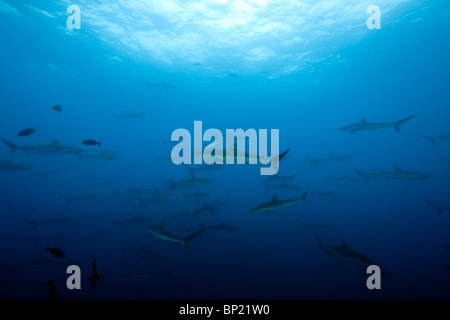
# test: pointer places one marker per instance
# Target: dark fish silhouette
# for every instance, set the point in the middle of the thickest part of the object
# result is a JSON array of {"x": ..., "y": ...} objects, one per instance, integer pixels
[
  {"x": 52, "y": 290},
  {"x": 90, "y": 142},
  {"x": 93, "y": 279},
  {"x": 57, "y": 107},
  {"x": 58, "y": 253},
  {"x": 26, "y": 132}
]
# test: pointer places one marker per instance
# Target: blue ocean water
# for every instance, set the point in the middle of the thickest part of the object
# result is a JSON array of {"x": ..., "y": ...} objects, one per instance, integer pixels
[{"x": 307, "y": 69}]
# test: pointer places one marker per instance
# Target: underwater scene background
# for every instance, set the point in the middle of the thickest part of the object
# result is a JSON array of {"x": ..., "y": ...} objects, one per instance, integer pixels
[{"x": 135, "y": 71}]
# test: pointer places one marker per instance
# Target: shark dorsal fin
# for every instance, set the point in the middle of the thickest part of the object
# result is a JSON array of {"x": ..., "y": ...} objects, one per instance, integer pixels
[
  {"x": 397, "y": 169},
  {"x": 274, "y": 198},
  {"x": 363, "y": 120},
  {"x": 55, "y": 141},
  {"x": 344, "y": 244}
]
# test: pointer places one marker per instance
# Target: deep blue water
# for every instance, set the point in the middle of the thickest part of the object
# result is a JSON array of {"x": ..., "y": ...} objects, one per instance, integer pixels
[{"x": 306, "y": 70}]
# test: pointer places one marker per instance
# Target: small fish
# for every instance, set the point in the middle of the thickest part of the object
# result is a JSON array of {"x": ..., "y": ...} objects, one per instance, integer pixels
[
  {"x": 196, "y": 64},
  {"x": 57, "y": 107},
  {"x": 58, "y": 253},
  {"x": 90, "y": 142},
  {"x": 26, "y": 132},
  {"x": 52, "y": 290},
  {"x": 93, "y": 279}
]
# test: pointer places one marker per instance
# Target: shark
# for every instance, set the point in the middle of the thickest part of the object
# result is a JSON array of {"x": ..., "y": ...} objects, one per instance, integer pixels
[
  {"x": 397, "y": 174},
  {"x": 85, "y": 197},
  {"x": 102, "y": 155},
  {"x": 275, "y": 203},
  {"x": 348, "y": 254},
  {"x": 191, "y": 182},
  {"x": 137, "y": 219},
  {"x": 161, "y": 84},
  {"x": 439, "y": 209},
  {"x": 332, "y": 158},
  {"x": 55, "y": 148},
  {"x": 278, "y": 177},
  {"x": 245, "y": 156},
  {"x": 320, "y": 225},
  {"x": 327, "y": 193},
  {"x": 221, "y": 227},
  {"x": 157, "y": 199},
  {"x": 132, "y": 115},
  {"x": 282, "y": 186},
  {"x": 58, "y": 238},
  {"x": 61, "y": 219},
  {"x": 186, "y": 214},
  {"x": 439, "y": 138},
  {"x": 7, "y": 165},
  {"x": 197, "y": 194},
  {"x": 364, "y": 125},
  {"x": 206, "y": 209},
  {"x": 159, "y": 232}
]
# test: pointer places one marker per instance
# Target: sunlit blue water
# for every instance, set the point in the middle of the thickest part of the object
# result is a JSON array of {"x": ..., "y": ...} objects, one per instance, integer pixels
[{"x": 306, "y": 70}]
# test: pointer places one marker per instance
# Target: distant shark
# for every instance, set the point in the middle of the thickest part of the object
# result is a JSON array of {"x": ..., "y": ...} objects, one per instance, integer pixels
[
  {"x": 440, "y": 138},
  {"x": 275, "y": 203},
  {"x": 61, "y": 219},
  {"x": 397, "y": 174},
  {"x": 320, "y": 225},
  {"x": 345, "y": 252},
  {"x": 54, "y": 148},
  {"x": 364, "y": 125},
  {"x": 191, "y": 182},
  {"x": 332, "y": 158},
  {"x": 282, "y": 186},
  {"x": 7, "y": 165},
  {"x": 131, "y": 115},
  {"x": 159, "y": 232},
  {"x": 161, "y": 84}
]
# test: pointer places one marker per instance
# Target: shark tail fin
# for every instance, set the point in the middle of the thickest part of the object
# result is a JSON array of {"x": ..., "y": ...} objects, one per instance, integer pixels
[
  {"x": 267, "y": 186},
  {"x": 319, "y": 239},
  {"x": 396, "y": 125},
  {"x": 186, "y": 240},
  {"x": 433, "y": 140},
  {"x": 315, "y": 162},
  {"x": 275, "y": 160},
  {"x": 171, "y": 183},
  {"x": 303, "y": 198},
  {"x": 115, "y": 223},
  {"x": 11, "y": 146},
  {"x": 365, "y": 175},
  {"x": 100, "y": 144},
  {"x": 117, "y": 116},
  {"x": 291, "y": 177}
]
